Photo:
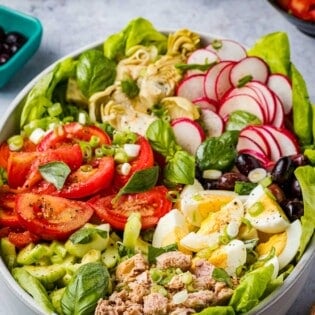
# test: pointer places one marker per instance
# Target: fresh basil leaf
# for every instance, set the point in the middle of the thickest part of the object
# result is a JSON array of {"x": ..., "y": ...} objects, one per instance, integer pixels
[
  {"x": 55, "y": 173},
  {"x": 154, "y": 252},
  {"x": 218, "y": 153},
  {"x": 85, "y": 235},
  {"x": 89, "y": 284},
  {"x": 162, "y": 138},
  {"x": 130, "y": 88},
  {"x": 94, "y": 72},
  {"x": 140, "y": 181},
  {"x": 240, "y": 119},
  {"x": 180, "y": 169}
]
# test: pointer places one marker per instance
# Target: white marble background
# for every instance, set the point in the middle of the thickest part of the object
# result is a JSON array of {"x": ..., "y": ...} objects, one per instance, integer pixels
[{"x": 71, "y": 24}]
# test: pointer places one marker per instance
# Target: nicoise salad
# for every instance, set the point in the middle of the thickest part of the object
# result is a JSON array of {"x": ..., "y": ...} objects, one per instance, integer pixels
[{"x": 160, "y": 173}]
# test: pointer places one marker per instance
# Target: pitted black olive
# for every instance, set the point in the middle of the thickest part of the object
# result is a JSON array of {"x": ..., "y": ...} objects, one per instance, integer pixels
[
  {"x": 245, "y": 163},
  {"x": 283, "y": 170},
  {"x": 294, "y": 209}
]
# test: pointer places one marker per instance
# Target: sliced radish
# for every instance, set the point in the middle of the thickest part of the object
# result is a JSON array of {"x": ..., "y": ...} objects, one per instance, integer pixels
[
  {"x": 281, "y": 86},
  {"x": 278, "y": 119},
  {"x": 228, "y": 50},
  {"x": 242, "y": 102},
  {"x": 205, "y": 103},
  {"x": 191, "y": 87},
  {"x": 275, "y": 152},
  {"x": 223, "y": 83},
  {"x": 255, "y": 135},
  {"x": 245, "y": 143},
  {"x": 201, "y": 56},
  {"x": 286, "y": 140},
  {"x": 213, "y": 123},
  {"x": 254, "y": 67},
  {"x": 188, "y": 133},
  {"x": 210, "y": 79},
  {"x": 266, "y": 97}
]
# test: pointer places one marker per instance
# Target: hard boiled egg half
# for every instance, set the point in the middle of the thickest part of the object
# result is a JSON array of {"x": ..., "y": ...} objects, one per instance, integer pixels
[
  {"x": 286, "y": 243},
  {"x": 264, "y": 213}
]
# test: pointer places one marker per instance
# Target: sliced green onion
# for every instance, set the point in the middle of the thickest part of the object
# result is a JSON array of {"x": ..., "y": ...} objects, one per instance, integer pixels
[
  {"x": 94, "y": 141},
  {"x": 256, "y": 209},
  {"x": 173, "y": 195},
  {"x": 121, "y": 156},
  {"x": 86, "y": 150},
  {"x": 37, "y": 135},
  {"x": 86, "y": 168},
  {"x": 15, "y": 143},
  {"x": 121, "y": 138},
  {"x": 55, "y": 110}
]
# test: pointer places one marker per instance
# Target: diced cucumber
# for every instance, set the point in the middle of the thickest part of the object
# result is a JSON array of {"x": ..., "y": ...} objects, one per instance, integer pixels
[
  {"x": 46, "y": 274},
  {"x": 32, "y": 254},
  {"x": 34, "y": 287},
  {"x": 110, "y": 257},
  {"x": 92, "y": 255},
  {"x": 96, "y": 241},
  {"x": 8, "y": 252}
]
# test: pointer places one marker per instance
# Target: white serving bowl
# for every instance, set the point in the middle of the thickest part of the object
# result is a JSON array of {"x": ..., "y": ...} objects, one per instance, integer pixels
[{"x": 278, "y": 302}]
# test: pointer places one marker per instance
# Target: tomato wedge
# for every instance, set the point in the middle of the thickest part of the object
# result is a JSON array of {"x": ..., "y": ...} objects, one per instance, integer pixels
[
  {"x": 23, "y": 166},
  {"x": 152, "y": 205},
  {"x": 22, "y": 238},
  {"x": 51, "y": 217},
  {"x": 8, "y": 216},
  {"x": 72, "y": 133},
  {"x": 145, "y": 159},
  {"x": 89, "y": 179}
]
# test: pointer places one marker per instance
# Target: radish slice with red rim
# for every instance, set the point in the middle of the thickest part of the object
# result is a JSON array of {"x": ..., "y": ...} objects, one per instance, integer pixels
[
  {"x": 205, "y": 103},
  {"x": 278, "y": 119},
  {"x": 188, "y": 134},
  {"x": 223, "y": 83},
  {"x": 201, "y": 56},
  {"x": 282, "y": 87},
  {"x": 211, "y": 77},
  {"x": 245, "y": 143},
  {"x": 287, "y": 141},
  {"x": 227, "y": 50},
  {"x": 191, "y": 87},
  {"x": 213, "y": 123},
  {"x": 251, "y": 68},
  {"x": 242, "y": 102}
]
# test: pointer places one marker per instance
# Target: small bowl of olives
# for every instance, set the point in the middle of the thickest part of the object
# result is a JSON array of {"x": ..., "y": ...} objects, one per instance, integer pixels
[{"x": 20, "y": 37}]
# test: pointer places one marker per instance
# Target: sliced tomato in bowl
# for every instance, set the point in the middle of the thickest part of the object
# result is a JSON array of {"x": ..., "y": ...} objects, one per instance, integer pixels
[
  {"x": 152, "y": 205},
  {"x": 145, "y": 159},
  {"x": 72, "y": 133},
  {"x": 51, "y": 217}
]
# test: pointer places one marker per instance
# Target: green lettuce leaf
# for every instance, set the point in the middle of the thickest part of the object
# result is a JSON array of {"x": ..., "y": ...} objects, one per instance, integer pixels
[
  {"x": 138, "y": 32},
  {"x": 302, "y": 108},
  {"x": 306, "y": 177},
  {"x": 274, "y": 48},
  {"x": 251, "y": 288},
  {"x": 217, "y": 310}
]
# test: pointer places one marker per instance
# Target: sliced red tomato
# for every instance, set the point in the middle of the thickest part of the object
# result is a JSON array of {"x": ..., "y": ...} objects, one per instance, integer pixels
[
  {"x": 4, "y": 154},
  {"x": 23, "y": 166},
  {"x": 51, "y": 217},
  {"x": 22, "y": 238},
  {"x": 145, "y": 159},
  {"x": 8, "y": 216},
  {"x": 152, "y": 205},
  {"x": 72, "y": 133},
  {"x": 89, "y": 179}
]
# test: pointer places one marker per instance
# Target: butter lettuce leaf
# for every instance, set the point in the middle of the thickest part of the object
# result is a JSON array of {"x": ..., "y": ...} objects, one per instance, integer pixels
[
  {"x": 251, "y": 289},
  {"x": 274, "y": 48},
  {"x": 302, "y": 108},
  {"x": 306, "y": 177},
  {"x": 138, "y": 32},
  {"x": 217, "y": 310}
]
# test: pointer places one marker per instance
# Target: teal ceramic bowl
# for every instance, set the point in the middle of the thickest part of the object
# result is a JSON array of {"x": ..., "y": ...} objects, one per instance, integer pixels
[{"x": 15, "y": 21}]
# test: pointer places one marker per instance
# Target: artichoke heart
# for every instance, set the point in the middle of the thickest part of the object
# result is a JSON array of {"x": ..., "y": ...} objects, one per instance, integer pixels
[
  {"x": 182, "y": 42},
  {"x": 180, "y": 107}
]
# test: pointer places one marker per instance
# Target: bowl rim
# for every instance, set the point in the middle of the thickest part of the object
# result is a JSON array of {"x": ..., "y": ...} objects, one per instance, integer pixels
[{"x": 304, "y": 263}]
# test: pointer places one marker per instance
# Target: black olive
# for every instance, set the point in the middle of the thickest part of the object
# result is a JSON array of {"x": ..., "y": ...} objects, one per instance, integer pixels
[
  {"x": 245, "y": 163},
  {"x": 15, "y": 38},
  {"x": 296, "y": 189},
  {"x": 4, "y": 58},
  {"x": 299, "y": 159},
  {"x": 227, "y": 180},
  {"x": 293, "y": 208},
  {"x": 283, "y": 170}
]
